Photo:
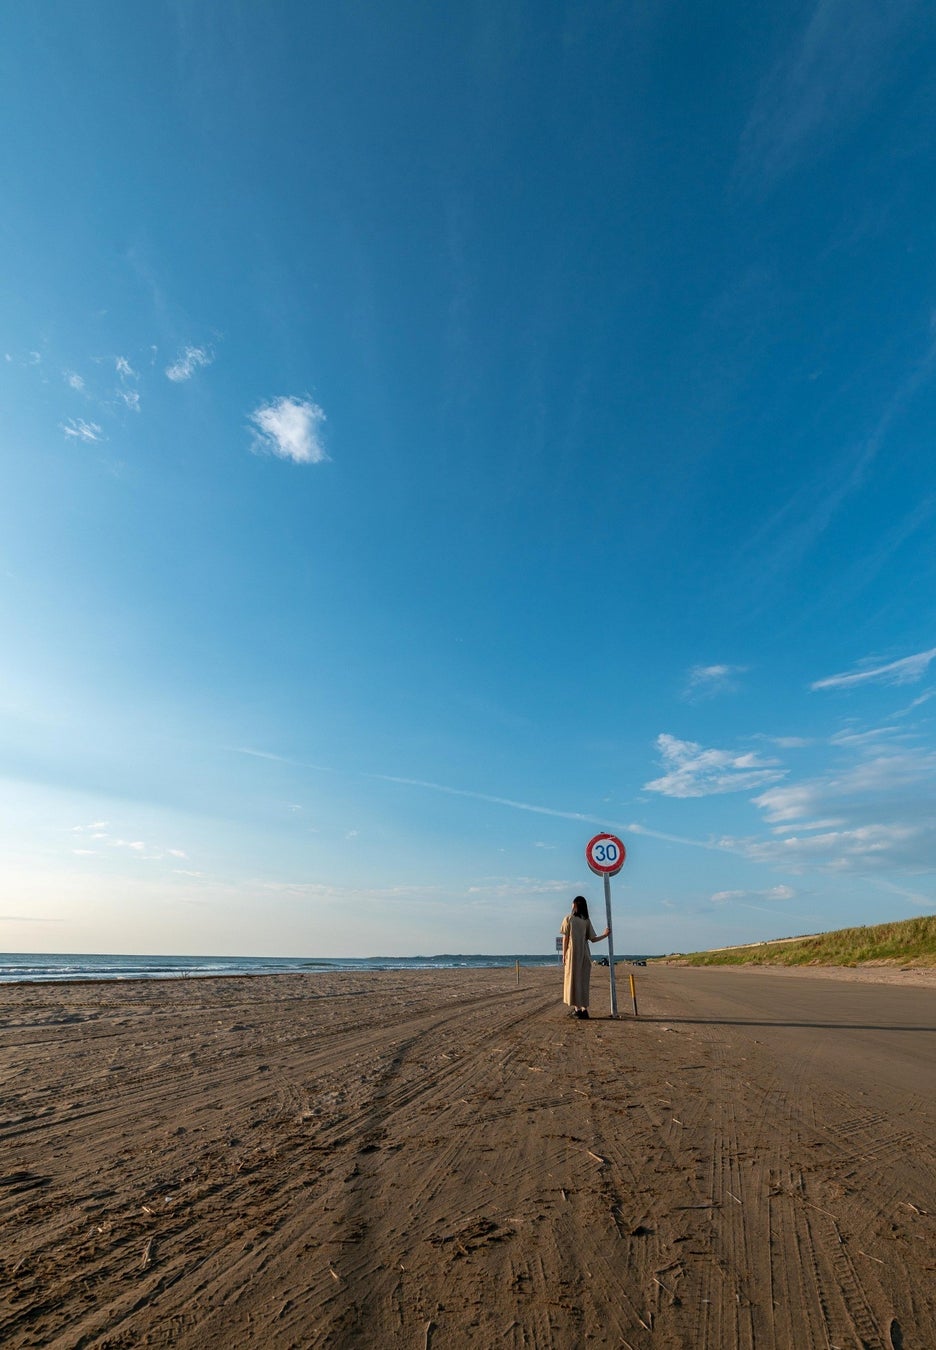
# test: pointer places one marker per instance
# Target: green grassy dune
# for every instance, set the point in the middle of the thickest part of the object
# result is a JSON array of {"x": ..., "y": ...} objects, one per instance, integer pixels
[{"x": 911, "y": 942}]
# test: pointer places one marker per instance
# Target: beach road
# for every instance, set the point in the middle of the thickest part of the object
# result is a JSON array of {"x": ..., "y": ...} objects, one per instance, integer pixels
[{"x": 445, "y": 1159}]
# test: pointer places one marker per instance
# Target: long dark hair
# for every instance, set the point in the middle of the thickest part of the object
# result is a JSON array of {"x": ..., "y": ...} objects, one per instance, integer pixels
[{"x": 580, "y": 907}]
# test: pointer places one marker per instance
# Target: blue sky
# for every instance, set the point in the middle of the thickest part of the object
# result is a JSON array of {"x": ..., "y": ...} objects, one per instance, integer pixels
[{"x": 432, "y": 434}]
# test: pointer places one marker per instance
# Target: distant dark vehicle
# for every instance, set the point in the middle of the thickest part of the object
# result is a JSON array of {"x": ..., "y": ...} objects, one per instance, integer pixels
[
  {"x": 600, "y": 961},
  {"x": 640, "y": 963}
]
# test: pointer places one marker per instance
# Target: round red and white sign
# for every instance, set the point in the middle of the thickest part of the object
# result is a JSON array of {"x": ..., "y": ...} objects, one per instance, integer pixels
[{"x": 605, "y": 854}]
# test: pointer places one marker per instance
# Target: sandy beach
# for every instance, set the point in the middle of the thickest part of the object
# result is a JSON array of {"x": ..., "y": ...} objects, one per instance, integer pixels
[{"x": 441, "y": 1159}]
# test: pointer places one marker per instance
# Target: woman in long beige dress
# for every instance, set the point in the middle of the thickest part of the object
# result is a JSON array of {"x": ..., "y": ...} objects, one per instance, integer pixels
[{"x": 577, "y": 933}]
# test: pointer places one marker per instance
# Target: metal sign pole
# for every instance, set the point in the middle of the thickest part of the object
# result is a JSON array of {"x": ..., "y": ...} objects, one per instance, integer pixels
[
  {"x": 607, "y": 890},
  {"x": 605, "y": 855}
]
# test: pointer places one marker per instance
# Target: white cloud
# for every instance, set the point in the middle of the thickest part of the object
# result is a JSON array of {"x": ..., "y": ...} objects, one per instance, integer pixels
[
  {"x": 780, "y": 546},
  {"x": 916, "y": 898},
  {"x": 185, "y": 366},
  {"x": 74, "y": 381},
  {"x": 904, "y": 671},
  {"x": 874, "y": 736},
  {"x": 291, "y": 429},
  {"x": 859, "y": 790},
  {"x": 99, "y": 832},
  {"x": 131, "y": 398},
  {"x": 695, "y": 772},
  {"x": 262, "y": 754},
  {"x": 878, "y": 845},
  {"x": 632, "y": 827},
  {"x": 780, "y": 893},
  {"x": 511, "y": 888},
  {"x": 890, "y": 772},
  {"x": 917, "y": 703},
  {"x": 830, "y": 823},
  {"x": 790, "y": 802},
  {"x": 738, "y": 897},
  {"x": 707, "y": 681},
  {"x": 124, "y": 368},
  {"x": 81, "y": 430},
  {"x": 823, "y": 84},
  {"x": 877, "y": 809}
]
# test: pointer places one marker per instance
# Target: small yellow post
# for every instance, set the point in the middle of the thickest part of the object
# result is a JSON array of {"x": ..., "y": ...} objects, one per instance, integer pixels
[
  {"x": 633, "y": 993},
  {"x": 518, "y": 974}
]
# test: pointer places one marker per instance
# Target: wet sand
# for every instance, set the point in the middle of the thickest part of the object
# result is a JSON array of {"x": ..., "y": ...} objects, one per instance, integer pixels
[{"x": 441, "y": 1159}]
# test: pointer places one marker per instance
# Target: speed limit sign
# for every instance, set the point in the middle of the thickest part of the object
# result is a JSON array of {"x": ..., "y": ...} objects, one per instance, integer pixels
[{"x": 605, "y": 854}]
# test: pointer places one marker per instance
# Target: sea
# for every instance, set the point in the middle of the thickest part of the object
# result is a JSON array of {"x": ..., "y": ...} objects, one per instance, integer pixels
[{"x": 23, "y": 967}]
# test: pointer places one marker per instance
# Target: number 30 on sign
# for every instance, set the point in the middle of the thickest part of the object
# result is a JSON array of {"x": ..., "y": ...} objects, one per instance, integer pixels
[{"x": 605, "y": 854}]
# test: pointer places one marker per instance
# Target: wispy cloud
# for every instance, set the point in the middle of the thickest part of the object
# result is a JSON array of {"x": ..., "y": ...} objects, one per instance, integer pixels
[
  {"x": 631, "y": 827},
  {"x": 482, "y": 892},
  {"x": 875, "y": 809},
  {"x": 902, "y": 772},
  {"x": 831, "y": 823},
  {"x": 512, "y": 888},
  {"x": 782, "y": 542},
  {"x": 26, "y": 918},
  {"x": 263, "y": 754},
  {"x": 739, "y": 897},
  {"x": 872, "y": 736},
  {"x": 917, "y": 703},
  {"x": 185, "y": 366},
  {"x": 705, "y": 682},
  {"x": 879, "y": 845},
  {"x": 124, "y": 368},
  {"x": 99, "y": 832},
  {"x": 791, "y": 802},
  {"x": 131, "y": 398},
  {"x": 74, "y": 381},
  {"x": 81, "y": 430},
  {"x": 692, "y": 771},
  {"x": 919, "y": 899},
  {"x": 905, "y": 671},
  {"x": 278, "y": 759},
  {"x": 822, "y": 85},
  {"x": 602, "y": 822},
  {"x": 290, "y": 428},
  {"x": 483, "y": 797}
]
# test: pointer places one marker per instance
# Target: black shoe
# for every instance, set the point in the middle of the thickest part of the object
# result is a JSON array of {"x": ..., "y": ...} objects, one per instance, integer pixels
[{"x": 583, "y": 1013}]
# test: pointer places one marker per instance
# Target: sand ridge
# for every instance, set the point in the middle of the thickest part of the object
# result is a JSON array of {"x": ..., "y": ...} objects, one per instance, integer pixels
[{"x": 442, "y": 1159}]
